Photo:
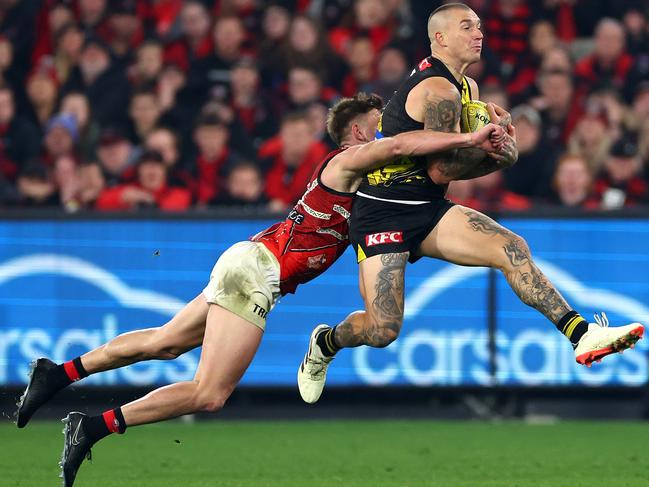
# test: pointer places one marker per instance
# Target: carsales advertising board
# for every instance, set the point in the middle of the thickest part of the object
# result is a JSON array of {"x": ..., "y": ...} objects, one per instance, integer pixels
[{"x": 69, "y": 286}]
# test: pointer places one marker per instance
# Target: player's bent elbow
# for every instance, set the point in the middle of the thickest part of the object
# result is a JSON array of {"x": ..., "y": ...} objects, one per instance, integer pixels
[
  {"x": 508, "y": 164},
  {"x": 437, "y": 176}
]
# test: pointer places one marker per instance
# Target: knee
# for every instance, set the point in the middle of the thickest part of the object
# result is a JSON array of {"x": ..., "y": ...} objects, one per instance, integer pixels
[
  {"x": 210, "y": 403},
  {"x": 159, "y": 346},
  {"x": 213, "y": 405},
  {"x": 515, "y": 252}
]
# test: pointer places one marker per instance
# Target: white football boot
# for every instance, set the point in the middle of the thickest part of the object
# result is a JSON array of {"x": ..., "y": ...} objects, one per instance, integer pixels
[
  {"x": 601, "y": 340},
  {"x": 312, "y": 373}
]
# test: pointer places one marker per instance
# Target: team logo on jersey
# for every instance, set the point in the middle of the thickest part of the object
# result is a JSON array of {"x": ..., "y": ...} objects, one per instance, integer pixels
[
  {"x": 425, "y": 64},
  {"x": 403, "y": 171},
  {"x": 316, "y": 262},
  {"x": 383, "y": 238}
]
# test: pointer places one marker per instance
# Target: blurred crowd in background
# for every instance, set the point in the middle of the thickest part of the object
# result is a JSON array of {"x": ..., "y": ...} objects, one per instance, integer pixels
[{"x": 126, "y": 104}]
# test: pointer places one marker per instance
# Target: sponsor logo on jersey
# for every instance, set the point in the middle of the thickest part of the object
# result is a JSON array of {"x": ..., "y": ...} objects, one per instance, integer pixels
[
  {"x": 296, "y": 216},
  {"x": 383, "y": 238}
]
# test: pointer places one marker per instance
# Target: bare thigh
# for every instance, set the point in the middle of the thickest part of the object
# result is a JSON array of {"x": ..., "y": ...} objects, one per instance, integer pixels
[
  {"x": 467, "y": 237},
  {"x": 229, "y": 345}
]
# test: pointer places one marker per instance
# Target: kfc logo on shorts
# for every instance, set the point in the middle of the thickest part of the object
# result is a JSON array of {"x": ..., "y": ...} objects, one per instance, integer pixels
[{"x": 383, "y": 238}]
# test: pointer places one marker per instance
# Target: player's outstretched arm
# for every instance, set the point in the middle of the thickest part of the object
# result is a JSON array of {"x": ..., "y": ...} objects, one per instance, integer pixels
[{"x": 417, "y": 143}]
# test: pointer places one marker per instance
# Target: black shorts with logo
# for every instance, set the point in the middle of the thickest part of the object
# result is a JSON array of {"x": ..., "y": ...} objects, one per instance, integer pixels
[{"x": 381, "y": 227}]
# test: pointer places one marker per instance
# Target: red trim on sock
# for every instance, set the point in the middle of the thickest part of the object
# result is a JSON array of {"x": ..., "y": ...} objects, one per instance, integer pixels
[
  {"x": 71, "y": 371},
  {"x": 111, "y": 421}
]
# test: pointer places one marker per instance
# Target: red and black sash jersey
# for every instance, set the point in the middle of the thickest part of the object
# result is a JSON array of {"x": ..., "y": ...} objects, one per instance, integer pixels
[{"x": 314, "y": 234}]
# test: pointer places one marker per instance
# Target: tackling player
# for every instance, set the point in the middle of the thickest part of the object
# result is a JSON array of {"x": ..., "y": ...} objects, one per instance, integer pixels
[
  {"x": 401, "y": 214},
  {"x": 228, "y": 318}
]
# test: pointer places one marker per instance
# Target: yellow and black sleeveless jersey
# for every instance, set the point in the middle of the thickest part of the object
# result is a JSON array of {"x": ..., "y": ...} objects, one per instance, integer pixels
[{"x": 407, "y": 179}]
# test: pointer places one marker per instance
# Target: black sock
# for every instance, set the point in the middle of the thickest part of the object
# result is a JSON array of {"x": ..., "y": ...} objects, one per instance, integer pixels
[
  {"x": 327, "y": 342},
  {"x": 58, "y": 378},
  {"x": 102, "y": 425},
  {"x": 573, "y": 325},
  {"x": 80, "y": 369}
]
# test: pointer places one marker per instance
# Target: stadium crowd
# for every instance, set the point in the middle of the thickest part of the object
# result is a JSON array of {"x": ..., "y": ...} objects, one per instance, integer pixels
[{"x": 125, "y": 104}]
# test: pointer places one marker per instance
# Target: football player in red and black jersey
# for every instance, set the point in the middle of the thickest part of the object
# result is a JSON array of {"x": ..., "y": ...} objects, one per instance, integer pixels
[{"x": 229, "y": 317}]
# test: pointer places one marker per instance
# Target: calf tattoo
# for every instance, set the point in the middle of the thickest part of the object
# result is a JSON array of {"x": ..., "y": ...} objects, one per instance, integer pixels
[
  {"x": 522, "y": 274},
  {"x": 530, "y": 284},
  {"x": 388, "y": 302},
  {"x": 381, "y": 324}
]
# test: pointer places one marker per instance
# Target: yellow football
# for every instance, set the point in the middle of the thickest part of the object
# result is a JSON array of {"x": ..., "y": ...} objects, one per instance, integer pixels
[{"x": 474, "y": 116}]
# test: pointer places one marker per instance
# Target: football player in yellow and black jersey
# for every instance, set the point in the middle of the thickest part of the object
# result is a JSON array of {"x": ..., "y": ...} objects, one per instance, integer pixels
[{"x": 401, "y": 213}]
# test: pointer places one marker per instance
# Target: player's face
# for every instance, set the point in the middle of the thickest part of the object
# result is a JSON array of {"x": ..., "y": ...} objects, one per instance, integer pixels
[{"x": 465, "y": 35}]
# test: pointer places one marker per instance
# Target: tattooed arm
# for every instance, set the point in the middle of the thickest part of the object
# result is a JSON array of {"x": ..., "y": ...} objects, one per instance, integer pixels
[
  {"x": 438, "y": 107},
  {"x": 504, "y": 158},
  {"x": 437, "y": 104}
]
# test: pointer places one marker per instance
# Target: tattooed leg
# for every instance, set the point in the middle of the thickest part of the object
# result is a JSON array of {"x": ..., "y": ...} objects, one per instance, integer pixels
[
  {"x": 382, "y": 287},
  {"x": 529, "y": 283},
  {"x": 467, "y": 237}
]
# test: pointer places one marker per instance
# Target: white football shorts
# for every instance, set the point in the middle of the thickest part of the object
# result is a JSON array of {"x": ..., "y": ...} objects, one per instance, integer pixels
[{"x": 245, "y": 281}]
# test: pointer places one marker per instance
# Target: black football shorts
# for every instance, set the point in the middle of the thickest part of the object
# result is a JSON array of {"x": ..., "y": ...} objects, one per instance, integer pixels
[{"x": 382, "y": 227}]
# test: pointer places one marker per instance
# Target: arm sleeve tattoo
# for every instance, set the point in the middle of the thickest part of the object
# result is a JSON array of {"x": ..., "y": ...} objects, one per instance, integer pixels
[
  {"x": 487, "y": 165},
  {"x": 443, "y": 115}
]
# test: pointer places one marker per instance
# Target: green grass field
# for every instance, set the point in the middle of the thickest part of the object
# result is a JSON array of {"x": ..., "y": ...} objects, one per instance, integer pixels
[{"x": 340, "y": 454}]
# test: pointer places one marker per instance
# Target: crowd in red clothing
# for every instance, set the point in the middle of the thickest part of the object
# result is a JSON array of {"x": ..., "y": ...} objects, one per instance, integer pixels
[{"x": 123, "y": 104}]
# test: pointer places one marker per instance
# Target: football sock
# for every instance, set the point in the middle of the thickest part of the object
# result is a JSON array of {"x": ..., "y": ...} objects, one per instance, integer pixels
[
  {"x": 67, "y": 373},
  {"x": 327, "y": 342},
  {"x": 102, "y": 425},
  {"x": 573, "y": 325}
]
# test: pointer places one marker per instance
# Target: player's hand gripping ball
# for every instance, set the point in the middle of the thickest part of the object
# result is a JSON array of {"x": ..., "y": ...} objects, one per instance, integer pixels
[{"x": 474, "y": 116}]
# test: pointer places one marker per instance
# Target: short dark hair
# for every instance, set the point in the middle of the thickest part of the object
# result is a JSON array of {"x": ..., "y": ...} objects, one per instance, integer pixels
[
  {"x": 209, "y": 120},
  {"x": 244, "y": 164},
  {"x": 447, "y": 6},
  {"x": 343, "y": 112},
  {"x": 143, "y": 92},
  {"x": 295, "y": 116},
  {"x": 150, "y": 156}
]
